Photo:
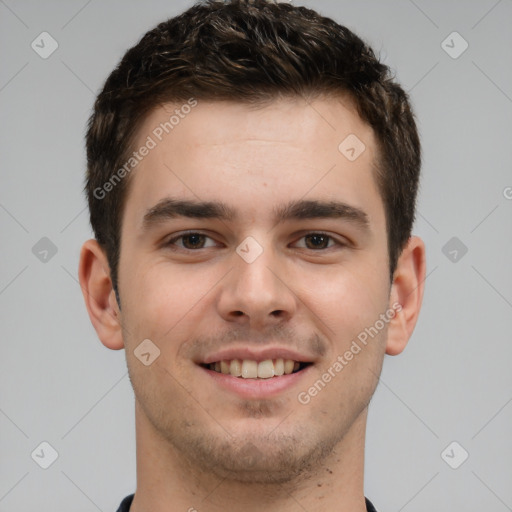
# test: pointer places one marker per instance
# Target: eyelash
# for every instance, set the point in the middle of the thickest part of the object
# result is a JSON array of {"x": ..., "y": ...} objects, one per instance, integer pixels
[{"x": 170, "y": 243}]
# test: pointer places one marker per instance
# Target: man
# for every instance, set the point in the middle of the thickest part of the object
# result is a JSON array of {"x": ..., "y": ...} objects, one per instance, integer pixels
[{"x": 252, "y": 177}]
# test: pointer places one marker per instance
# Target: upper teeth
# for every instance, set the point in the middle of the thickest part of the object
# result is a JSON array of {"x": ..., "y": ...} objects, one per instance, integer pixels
[{"x": 248, "y": 369}]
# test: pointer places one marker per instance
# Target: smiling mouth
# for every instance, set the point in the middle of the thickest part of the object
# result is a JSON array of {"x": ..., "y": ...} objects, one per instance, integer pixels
[{"x": 250, "y": 369}]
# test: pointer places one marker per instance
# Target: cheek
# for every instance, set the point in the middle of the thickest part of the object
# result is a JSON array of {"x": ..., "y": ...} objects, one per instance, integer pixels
[
  {"x": 161, "y": 299},
  {"x": 347, "y": 299},
  {"x": 350, "y": 306}
]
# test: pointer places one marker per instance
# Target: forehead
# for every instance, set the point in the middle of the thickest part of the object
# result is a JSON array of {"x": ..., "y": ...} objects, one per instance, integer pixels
[{"x": 286, "y": 149}]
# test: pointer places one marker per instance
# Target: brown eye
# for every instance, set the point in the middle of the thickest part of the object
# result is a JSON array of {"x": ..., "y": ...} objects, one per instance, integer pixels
[
  {"x": 317, "y": 241},
  {"x": 191, "y": 241}
]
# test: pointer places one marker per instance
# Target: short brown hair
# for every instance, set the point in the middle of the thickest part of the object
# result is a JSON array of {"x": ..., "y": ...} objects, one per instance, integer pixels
[{"x": 250, "y": 51}]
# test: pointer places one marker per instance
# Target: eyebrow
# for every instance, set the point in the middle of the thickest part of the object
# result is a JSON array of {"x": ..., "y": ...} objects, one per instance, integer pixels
[{"x": 170, "y": 208}]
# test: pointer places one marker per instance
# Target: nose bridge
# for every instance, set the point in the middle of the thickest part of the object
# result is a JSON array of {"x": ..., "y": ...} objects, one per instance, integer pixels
[
  {"x": 257, "y": 276},
  {"x": 255, "y": 289},
  {"x": 253, "y": 271}
]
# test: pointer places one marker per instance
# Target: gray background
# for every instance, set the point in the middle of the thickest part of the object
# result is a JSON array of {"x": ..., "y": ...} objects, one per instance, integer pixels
[{"x": 453, "y": 383}]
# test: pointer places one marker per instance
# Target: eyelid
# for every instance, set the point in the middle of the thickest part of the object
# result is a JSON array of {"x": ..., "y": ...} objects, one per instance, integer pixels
[
  {"x": 170, "y": 242},
  {"x": 337, "y": 241}
]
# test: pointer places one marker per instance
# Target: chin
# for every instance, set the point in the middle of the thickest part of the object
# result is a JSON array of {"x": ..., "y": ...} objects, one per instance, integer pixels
[{"x": 262, "y": 460}]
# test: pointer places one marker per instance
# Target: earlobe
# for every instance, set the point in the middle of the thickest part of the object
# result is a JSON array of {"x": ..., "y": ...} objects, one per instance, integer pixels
[
  {"x": 99, "y": 295},
  {"x": 406, "y": 295}
]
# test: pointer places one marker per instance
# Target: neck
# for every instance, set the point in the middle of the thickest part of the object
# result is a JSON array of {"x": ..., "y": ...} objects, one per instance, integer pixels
[{"x": 167, "y": 481}]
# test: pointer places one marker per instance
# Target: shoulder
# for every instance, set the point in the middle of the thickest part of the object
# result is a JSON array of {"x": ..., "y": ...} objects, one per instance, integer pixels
[
  {"x": 369, "y": 506},
  {"x": 126, "y": 504}
]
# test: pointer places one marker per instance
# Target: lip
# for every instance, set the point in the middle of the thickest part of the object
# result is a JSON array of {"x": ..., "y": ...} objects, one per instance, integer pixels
[
  {"x": 256, "y": 389},
  {"x": 256, "y": 355}
]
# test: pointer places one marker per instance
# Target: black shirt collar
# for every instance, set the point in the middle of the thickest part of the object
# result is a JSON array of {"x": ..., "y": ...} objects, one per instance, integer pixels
[{"x": 127, "y": 502}]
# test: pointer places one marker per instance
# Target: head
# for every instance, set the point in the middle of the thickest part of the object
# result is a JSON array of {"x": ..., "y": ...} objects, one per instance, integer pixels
[
  {"x": 252, "y": 53},
  {"x": 243, "y": 108}
]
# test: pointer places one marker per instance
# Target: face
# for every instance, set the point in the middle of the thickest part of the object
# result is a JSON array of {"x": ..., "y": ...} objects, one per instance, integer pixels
[{"x": 250, "y": 240}]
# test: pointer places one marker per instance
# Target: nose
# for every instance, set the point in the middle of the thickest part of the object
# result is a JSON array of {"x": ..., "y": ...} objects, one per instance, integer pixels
[{"x": 257, "y": 294}]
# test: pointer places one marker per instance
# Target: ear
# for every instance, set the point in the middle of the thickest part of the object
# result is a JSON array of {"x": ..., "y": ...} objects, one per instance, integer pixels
[
  {"x": 406, "y": 295},
  {"x": 99, "y": 295}
]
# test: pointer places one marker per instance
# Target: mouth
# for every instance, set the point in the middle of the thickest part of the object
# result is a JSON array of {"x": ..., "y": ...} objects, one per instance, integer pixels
[
  {"x": 257, "y": 373},
  {"x": 257, "y": 370}
]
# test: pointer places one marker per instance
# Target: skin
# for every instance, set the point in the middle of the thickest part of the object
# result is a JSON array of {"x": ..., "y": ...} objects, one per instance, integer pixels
[{"x": 200, "y": 446}]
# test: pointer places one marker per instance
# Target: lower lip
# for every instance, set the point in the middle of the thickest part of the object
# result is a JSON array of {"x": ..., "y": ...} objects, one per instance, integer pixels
[{"x": 257, "y": 388}]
